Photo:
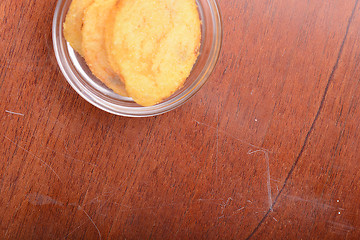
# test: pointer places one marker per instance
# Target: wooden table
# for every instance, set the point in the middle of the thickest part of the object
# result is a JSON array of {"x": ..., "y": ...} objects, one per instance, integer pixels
[{"x": 268, "y": 149}]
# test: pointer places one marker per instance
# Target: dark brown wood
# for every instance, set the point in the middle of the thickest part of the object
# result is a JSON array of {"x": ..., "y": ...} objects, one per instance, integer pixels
[{"x": 268, "y": 149}]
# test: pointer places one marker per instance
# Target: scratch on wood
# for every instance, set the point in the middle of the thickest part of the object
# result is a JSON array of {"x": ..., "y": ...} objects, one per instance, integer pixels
[
  {"x": 6, "y": 233},
  {"x": 70, "y": 157},
  {"x": 14, "y": 113},
  {"x": 311, "y": 201},
  {"x": 149, "y": 208},
  {"x": 39, "y": 199},
  {"x": 236, "y": 212},
  {"x": 200, "y": 199},
  {"x": 275, "y": 180},
  {"x": 42, "y": 161},
  {"x": 81, "y": 209},
  {"x": 233, "y": 137},
  {"x": 111, "y": 194},
  {"x": 260, "y": 212},
  {"x": 240, "y": 209},
  {"x": 74, "y": 230},
  {"x": 223, "y": 205},
  {"x": 92, "y": 201},
  {"x": 336, "y": 226},
  {"x": 268, "y": 180}
]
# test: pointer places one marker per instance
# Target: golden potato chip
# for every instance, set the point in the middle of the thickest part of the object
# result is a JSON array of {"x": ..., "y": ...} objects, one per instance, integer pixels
[
  {"x": 73, "y": 23},
  {"x": 154, "y": 45},
  {"x": 93, "y": 44},
  {"x": 109, "y": 27}
]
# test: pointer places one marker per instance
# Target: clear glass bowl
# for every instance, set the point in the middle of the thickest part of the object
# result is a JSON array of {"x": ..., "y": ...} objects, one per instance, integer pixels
[{"x": 95, "y": 92}]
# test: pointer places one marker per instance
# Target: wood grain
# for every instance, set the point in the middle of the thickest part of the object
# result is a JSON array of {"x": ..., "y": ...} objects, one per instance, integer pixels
[{"x": 268, "y": 149}]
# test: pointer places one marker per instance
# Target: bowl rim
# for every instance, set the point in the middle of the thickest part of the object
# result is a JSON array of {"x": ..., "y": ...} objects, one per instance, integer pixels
[{"x": 162, "y": 107}]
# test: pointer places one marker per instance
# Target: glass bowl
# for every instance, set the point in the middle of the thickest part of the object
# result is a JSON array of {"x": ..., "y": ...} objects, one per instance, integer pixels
[{"x": 79, "y": 76}]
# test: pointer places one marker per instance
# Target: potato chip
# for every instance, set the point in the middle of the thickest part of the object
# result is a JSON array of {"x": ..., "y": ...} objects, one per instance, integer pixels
[
  {"x": 109, "y": 27},
  {"x": 93, "y": 44},
  {"x": 154, "y": 45},
  {"x": 73, "y": 23}
]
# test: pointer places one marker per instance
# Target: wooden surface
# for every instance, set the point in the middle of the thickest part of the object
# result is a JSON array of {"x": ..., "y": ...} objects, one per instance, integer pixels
[{"x": 268, "y": 149}]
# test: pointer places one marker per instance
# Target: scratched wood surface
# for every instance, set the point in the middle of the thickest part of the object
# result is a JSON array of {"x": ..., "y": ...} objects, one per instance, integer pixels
[{"x": 268, "y": 149}]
